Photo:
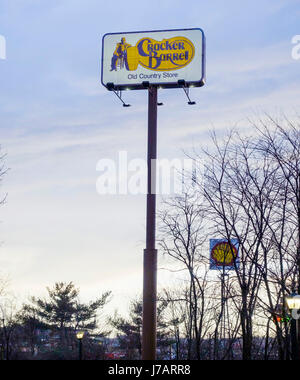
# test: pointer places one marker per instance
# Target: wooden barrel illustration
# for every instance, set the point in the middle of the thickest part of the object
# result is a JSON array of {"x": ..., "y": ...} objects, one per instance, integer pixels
[{"x": 132, "y": 58}]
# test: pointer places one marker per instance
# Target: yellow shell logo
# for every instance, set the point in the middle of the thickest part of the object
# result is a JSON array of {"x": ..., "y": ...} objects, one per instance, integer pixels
[
  {"x": 166, "y": 55},
  {"x": 224, "y": 254}
]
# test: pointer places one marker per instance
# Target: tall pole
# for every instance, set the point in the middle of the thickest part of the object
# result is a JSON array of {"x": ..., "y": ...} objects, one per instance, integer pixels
[
  {"x": 150, "y": 253},
  {"x": 80, "y": 349},
  {"x": 294, "y": 338}
]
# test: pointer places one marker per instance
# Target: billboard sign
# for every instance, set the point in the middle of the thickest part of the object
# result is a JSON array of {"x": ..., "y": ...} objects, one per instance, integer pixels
[
  {"x": 224, "y": 254},
  {"x": 161, "y": 58}
]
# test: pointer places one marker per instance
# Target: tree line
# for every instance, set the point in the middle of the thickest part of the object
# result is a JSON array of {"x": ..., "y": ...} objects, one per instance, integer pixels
[{"x": 245, "y": 186}]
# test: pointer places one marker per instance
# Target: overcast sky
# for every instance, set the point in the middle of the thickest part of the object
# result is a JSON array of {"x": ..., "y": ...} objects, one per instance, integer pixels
[{"x": 57, "y": 121}]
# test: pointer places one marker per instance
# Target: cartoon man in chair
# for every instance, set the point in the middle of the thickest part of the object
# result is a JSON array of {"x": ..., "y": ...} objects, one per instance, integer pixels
[{"x": 119, "y": 54}]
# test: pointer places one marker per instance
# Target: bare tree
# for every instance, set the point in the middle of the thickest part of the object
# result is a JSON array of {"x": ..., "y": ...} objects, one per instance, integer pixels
[
  {"x": 252, "y": 190},
  {"x": 279, "y": 141},
  {"x": 182, "y": 238}
]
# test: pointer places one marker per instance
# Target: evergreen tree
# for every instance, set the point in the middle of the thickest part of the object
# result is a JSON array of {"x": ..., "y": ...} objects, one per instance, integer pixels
[
  {"x": 129, "y": 330},
  {"x": 62, "y": 310}
]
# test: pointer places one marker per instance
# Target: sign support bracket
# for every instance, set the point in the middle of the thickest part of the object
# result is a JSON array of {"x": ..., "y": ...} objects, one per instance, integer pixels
[
  {"x": 186, "y": 90},
  {"x": 118, "y": 93}
]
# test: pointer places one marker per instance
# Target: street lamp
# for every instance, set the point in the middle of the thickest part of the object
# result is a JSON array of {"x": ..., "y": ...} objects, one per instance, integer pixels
[
  {"x": 79, "y": 336},
  {"x": 293, "y": 304},
  {"x": 293, "y": 301}
]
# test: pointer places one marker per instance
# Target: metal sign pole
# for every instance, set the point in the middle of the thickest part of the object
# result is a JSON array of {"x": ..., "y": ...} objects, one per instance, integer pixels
[
  {"x": 135, "y": 48},
  {"x": 150, "y": 253}
]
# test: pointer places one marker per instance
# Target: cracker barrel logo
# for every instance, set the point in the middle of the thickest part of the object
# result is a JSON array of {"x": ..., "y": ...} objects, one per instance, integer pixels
[
  {"x": 166, "y": 55},
  {"x": 224, "y": 254}
]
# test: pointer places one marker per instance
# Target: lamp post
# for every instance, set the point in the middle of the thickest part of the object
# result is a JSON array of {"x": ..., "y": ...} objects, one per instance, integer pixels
[
  {"x": 4, "y": 351},
  {"x": 80, "y": 336},
  {"x": 293, "y": 304}
]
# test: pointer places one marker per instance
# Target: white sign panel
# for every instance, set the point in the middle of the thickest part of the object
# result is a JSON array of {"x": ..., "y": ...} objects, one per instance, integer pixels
[{"x": 161, "y": 58}]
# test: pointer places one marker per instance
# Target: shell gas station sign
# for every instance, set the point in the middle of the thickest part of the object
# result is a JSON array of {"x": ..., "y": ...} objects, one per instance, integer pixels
[
  {"x": 224, "y": 254},
  {"x": 161, "y": 58}
]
